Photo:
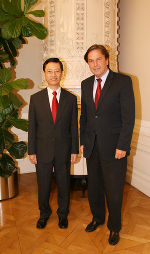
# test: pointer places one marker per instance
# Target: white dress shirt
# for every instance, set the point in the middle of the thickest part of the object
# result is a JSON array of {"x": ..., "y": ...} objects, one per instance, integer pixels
[
  {"x": 50, "y": 95},
  {"x": 103, "y": 78}
]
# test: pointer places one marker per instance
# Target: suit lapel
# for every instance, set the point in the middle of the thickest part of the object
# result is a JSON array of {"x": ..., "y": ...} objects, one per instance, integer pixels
[
  {"x": 46, "y": 104},
  {"x": 106, "y": 87},
  {"x": 90, "y": 93},
  {"x": 61, "y": 105}
]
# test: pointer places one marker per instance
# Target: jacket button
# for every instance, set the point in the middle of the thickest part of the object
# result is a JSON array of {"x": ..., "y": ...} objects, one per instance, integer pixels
[{"x": 96, "y": 116}]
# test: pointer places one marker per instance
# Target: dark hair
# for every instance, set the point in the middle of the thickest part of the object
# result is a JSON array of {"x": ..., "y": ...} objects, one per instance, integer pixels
[
  {"x": 52, "y": 60},
  {"x": 99, "y": 47}
]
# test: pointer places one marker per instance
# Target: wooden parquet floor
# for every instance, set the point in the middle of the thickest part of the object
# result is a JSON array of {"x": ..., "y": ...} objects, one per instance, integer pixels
[{"x": 19, "y": 235}]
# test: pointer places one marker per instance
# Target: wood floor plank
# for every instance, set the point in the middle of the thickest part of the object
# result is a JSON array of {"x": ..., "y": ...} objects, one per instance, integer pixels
[{"x": 19, "y": 235}]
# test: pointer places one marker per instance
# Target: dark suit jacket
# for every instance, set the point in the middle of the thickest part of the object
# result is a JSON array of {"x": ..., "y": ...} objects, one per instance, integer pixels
[
  {"x": 113, "y": 121},
  {"x": 46, "y": 139}
]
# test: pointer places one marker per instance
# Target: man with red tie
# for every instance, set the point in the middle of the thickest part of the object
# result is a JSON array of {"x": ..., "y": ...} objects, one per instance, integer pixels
[
  {"x": 53, "y": 140},
  {"x": 106, "y": 126}
]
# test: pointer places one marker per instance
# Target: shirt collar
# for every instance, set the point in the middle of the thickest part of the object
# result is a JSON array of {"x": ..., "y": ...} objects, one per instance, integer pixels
[
  {"x": 51, "y": 90},
  {"x": 104, "y": 76}
]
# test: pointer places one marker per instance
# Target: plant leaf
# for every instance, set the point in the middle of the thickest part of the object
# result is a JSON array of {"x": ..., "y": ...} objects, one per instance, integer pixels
[
  {"x": 8, "y": 138},
  {"x": 17, "y": 43},
  {"x": 23, "y": 41},
  {"x": 10, "y": 8},
  {"x": 15, "y": 27},
  {"x": 5, "y": 89},
  {"x": 7, "y": 50},
  {"x": 37, "y": 13},
  {"x": 17, "y": 4},
  {"x": 7, "y": 111},
  {"x": 5, "y": 101},
  {"x": 2, "y": 147},
  {"x": 12, "y": 48},
  {"x": 15, "y": 100},
  {"x": 26, "y": 31},
  {"x": 3, "y": 56},
  {"x": 19, "y": 84},
  {"x": 28, "y": 4},
  {"x": 18, "y": 150},
  {"x": 4, "y": 17},
  {"x": 1, "y": 107},
  {"x": 7, "y": 165},
  {"x": 21, "y": 124},
  {"x": 5, "y": 31},
  {"x": 38, "y": 29},
  {"x": 5, "y": 75}
]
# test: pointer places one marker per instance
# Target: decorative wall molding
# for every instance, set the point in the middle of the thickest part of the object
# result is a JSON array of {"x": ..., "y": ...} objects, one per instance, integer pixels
[
  {"x": 49, "y": 44},
  {"x": 79, "y": 26},
  {"x": 111, "y": 30}
]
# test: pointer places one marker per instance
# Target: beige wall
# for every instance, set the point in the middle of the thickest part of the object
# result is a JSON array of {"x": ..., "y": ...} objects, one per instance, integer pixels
[
  {"x": 29, "y": 63},
  {"x": 134, "y": 51},
  {"x": 30, "y": 67},
  {"x": 134, "y": 60}
]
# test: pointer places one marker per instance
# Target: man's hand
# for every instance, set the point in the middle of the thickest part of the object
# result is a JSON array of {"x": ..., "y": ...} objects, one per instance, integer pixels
[
  {"x": 120, "y": 154},
  {"x": 32, "y": 158},
  {"x": 82, "y": 148},
  {"x": 73, "y": 158}
]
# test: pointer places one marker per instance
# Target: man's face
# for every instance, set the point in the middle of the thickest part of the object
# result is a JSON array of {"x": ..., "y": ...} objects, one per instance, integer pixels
[
  {"x": 53, "y": 74},
  {"x": 97, "y": 62}
]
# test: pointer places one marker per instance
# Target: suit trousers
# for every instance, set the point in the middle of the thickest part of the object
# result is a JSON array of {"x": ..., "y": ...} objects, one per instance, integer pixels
[
  {"x": 44, "y": 177},
  {"x": 106, "y": 177}
]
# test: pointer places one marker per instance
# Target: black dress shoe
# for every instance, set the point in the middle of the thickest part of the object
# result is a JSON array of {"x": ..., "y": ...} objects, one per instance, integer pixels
[
  {"x": 41, "y": 223},
  {"x": 63, "y": 222},
  {"x": 93, "y": 226},
  {"x": 113, "y": 238}
]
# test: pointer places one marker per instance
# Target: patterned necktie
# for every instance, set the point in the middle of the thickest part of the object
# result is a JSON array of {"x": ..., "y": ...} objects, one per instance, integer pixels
[
  {"x": 54, "y": 106},
  {"x": 98, "y": 91}
]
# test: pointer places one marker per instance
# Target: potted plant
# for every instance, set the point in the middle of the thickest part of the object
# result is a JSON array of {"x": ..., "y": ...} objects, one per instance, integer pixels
[
  {"x": 15, "y": 25},
  {"x": 10, "y": 147}
]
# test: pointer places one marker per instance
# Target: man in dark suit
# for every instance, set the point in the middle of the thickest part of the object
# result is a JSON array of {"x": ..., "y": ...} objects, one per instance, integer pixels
[
  {"x": 106, "y": 126},
  {"x": 53, "y": 140}
]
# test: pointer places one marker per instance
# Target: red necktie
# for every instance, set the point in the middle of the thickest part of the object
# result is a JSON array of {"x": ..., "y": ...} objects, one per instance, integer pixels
[
  {"x": 98, "y": 91},
  {"x": 54, "y": 106}
]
